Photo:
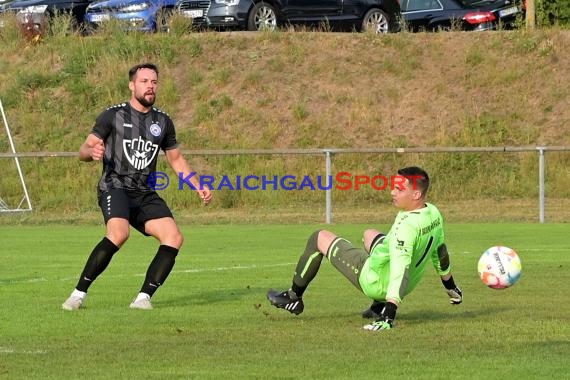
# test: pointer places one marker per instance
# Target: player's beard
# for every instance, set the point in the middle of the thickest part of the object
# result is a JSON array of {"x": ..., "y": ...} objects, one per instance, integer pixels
[{"x": 146, "y": 102}]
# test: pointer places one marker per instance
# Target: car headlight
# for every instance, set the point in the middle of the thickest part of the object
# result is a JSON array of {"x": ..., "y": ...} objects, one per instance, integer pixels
[
  {"x": 227, "y": 2},
  {"x": 34, "y": 9},
  {"x": 135, "y": 7}
]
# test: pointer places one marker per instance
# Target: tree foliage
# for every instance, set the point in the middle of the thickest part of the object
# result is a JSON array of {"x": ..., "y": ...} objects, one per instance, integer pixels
[{"x": 553, "y": 12}]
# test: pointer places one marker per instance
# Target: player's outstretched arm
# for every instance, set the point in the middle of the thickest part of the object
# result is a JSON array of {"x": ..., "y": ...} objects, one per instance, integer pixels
[
  {"x": 455, "y": 294},
  {"x": 442, "y": 265},
  {"x": 179, "y": 164}
]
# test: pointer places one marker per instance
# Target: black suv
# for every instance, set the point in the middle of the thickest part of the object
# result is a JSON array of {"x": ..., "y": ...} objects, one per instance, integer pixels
[{"x": 379, "y": 16}]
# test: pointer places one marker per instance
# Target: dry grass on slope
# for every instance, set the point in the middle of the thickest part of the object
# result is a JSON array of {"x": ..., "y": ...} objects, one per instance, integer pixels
[{"x": 323, "y": 89}]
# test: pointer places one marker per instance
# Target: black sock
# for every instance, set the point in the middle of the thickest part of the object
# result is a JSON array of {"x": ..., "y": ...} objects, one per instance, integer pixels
[
  {"x": 159, "y": 269},
  {"x": 449, "y": 283},
  {"x": 308, "y": 265},
  {"x": 96, "y": 263},
  {"x": 377, "y": 307}
]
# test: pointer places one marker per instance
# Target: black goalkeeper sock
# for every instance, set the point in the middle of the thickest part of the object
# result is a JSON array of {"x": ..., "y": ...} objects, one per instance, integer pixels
[
  {"x": 448, "y": 284},
  {"x": 389, "y": 311},
  {"x": 159, "y": 269},
  {"x": 308, "y": 265},
  {"x": 96, "y": 263}
]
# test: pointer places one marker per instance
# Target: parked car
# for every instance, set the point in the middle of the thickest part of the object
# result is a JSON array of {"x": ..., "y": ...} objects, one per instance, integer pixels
[
  {"x": 140, "y": 15},
  {"x": 433, "y": 15},
  {"x": 380, "y": 16},
  {"x": 4, "y": 3},
  {"x": 35, "y": 13}
]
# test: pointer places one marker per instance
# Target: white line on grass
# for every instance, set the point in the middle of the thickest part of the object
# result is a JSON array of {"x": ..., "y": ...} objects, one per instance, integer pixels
[
  {"x": 220, "y": 269},
  {"x": 198, "y": 270},
  {"x": 8, "y": 350},
  {"x": 28, "y": 280},
  {"x": 562, "y": 249},
  {"x": 545, "y": 249}
]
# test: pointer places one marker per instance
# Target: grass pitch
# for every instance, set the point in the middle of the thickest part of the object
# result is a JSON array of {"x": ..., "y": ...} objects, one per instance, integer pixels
[{"x": 211, "y": 319}]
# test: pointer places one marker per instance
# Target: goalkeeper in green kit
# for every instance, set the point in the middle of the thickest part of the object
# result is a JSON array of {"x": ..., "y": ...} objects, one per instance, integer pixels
[{"x": 390, "y": 265}]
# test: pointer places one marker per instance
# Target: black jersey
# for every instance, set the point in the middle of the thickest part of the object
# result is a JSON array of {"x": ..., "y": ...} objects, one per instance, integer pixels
[{"x": 132, "y": 140}]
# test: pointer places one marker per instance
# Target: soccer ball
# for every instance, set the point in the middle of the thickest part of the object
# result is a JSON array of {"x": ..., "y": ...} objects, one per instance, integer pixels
[{"x": 499, "y": 267}]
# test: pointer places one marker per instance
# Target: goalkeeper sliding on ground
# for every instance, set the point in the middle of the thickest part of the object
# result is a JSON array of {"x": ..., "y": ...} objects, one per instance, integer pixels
[{"x": 390, "y": 266}]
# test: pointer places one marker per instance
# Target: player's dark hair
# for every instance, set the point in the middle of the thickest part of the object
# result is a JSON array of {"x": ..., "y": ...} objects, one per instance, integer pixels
[
  {"x": 133, "y": 71},
  {"x": 418, "y": 178}
]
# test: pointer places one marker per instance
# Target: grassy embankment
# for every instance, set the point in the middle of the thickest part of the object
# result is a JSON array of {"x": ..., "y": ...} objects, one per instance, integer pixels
[{"x": 302, "y": 90}]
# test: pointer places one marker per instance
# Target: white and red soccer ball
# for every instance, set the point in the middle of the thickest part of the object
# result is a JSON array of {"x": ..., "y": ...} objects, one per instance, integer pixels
[{"x": 499, "y": 267}]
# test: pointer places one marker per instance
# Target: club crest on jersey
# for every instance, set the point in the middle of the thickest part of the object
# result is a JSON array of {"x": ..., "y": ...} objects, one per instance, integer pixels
[
  {"x": 139, "y": 152},
  {"x": 155, "y": 129}
]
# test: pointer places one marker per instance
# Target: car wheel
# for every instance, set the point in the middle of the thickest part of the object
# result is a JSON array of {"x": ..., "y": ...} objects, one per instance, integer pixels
[
  {"x": 376, "y": 21},
  {"x": 262, "y": 17}
]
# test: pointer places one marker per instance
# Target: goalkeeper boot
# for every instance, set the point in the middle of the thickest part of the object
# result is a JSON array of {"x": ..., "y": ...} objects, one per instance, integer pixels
[
  {"x": 287, "y": 300},
  {"x": 374, "y": 311},
  {"x": 381, "y": 323}
]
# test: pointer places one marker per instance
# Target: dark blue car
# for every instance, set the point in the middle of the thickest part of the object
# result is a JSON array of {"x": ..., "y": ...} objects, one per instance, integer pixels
[
  {"x": 379, "y": 16},
  {"x": 434, "y": 15},
  {"x": 137, "y": 15}
]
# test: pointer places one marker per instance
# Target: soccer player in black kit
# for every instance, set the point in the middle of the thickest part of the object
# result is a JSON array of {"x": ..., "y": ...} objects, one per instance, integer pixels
[{"x": 127, "y": 138}]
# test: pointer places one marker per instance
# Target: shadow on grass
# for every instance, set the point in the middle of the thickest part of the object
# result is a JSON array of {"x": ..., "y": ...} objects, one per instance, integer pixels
[
  {"x": 197, "y": 297},
  {"x": 434, "y": 315}
]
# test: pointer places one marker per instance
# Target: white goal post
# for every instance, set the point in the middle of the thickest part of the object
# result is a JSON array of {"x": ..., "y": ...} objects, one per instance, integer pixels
[{"x": 5, "y": 205}]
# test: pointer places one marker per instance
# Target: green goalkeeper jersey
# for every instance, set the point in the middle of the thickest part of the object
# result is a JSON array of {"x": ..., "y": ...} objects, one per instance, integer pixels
[{"x": 397, "y": 264}]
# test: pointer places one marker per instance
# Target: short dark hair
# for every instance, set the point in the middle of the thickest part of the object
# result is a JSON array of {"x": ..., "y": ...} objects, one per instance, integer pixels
[
  {"x": 417, "y": 177},
  {"x": 133, "y": 71}
]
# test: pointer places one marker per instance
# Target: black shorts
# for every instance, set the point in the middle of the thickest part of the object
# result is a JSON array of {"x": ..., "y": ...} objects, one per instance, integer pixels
[{"x": 135, "y": 206}]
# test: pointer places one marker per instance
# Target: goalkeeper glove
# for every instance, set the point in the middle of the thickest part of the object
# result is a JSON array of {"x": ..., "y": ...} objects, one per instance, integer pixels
[
  {"x": 455, "y": 296},
  {"x": 386, "y": 320}
]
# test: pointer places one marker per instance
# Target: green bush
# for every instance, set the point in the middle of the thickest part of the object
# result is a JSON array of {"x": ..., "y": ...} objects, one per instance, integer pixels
[{"x": 553, "y": 12}]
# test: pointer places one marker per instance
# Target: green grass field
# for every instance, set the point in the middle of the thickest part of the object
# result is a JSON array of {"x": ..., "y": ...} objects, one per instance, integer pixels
[{"x": 211, "y": 319}]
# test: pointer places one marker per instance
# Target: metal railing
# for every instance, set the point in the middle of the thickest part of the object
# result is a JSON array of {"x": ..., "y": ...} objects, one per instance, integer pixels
[{"x": 328, "y": 154}]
